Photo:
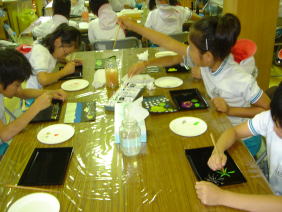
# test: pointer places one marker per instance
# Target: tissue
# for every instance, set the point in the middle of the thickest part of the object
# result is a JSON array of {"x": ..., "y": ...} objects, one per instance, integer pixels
[
  {"x": 143, "y": 56},
  {"x": 131, "y": 110},
  {"x": 99, "y": 79}
]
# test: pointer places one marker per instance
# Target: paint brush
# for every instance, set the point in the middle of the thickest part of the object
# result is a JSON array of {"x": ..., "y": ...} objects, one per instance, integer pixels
[
  {"x": 115, "y": 41},
  {"x": 213, "y": 142},
  {"x": 31, "y": 188}
]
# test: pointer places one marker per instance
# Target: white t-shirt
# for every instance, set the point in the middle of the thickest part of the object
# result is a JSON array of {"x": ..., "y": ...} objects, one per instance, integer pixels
[
  {"x": 48, "y": 27},
  {"x": 118, "y": 5},
  {"x": 104, "y": 27},
  {"x": 249, "y": 65},
  {"x": 231, "y": 82},
  {"x": 41, "y": 60},
  {"x": 78, "y": 9},
  {"x": 168, "y": 19},
  {"x": 262, "y": 124}
]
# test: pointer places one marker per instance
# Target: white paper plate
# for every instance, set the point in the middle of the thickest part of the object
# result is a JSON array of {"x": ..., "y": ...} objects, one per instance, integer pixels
[
  {"x": 188, "y": 126},
  {"x": 74, "y": 85},
  {"x": 35, "y": 202},
  {"x": 168, "y": 82},
  {"x": 165, "y": 53},
  {"x": 55, "y": 134}
]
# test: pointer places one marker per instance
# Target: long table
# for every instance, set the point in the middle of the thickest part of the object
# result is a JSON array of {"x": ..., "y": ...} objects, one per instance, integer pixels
[{"x": 100, "y": 178}]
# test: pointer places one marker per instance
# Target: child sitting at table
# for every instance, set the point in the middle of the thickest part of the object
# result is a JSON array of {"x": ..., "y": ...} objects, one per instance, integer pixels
[
  {"x": 104, "y": 27},
  {"x": 14, "y": 69},
  {"x": 77, "y": 7},
  {"x": 268, "y": 124},
  {"x": 61, "y": 14},
  {"x": 169, "y": 17},
  {"x": 232, "y": 90},
  {"x": 119, "y": 5},
  {"x": 45, "y": 54}
]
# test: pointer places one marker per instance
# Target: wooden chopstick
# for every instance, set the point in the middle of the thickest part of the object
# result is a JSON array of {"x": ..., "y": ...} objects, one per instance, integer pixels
[
  {"x": 114, "y": 46},
  {"x": 30, "y": 188}
]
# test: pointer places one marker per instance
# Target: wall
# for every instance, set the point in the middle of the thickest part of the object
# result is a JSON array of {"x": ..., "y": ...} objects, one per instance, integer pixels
[{"x": 258, "y": 22}]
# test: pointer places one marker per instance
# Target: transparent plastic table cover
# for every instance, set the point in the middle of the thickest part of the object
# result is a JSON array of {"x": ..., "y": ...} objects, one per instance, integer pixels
[{"x": 100, "y": 178}]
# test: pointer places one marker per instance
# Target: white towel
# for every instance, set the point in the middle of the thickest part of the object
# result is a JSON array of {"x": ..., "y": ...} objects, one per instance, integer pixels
[{"x": 99, "y": 79}]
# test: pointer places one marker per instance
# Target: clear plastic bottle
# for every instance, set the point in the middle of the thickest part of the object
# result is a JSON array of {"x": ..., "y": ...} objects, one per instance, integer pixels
[{"x": 130, "y": 134}]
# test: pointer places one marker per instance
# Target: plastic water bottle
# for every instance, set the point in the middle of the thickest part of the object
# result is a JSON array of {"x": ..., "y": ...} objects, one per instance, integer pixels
[{"x": 130, "y": 134}]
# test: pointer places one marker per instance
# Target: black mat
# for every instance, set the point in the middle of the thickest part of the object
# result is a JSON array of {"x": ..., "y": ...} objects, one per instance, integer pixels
[
  {"x": 46, "y": 166},
  {"x": 198, "y": 159}
]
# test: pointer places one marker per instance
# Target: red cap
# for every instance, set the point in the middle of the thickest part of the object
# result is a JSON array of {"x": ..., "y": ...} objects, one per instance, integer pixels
[{"x": 243, "y": 49}]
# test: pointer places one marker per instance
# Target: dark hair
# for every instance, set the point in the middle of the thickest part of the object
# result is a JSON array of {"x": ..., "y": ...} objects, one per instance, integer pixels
[
  {"x": 62, "y": 7},
  {"x": 216, "y": 34},
  {"x": 276, "y": 105},
  {"x": 67, "y": 33},
  {"x": 14, "y": 66},
  {"x": 152, "y": 4},
  {"x": 173, "y": 2},
  {"x": 96, "y": 4}
]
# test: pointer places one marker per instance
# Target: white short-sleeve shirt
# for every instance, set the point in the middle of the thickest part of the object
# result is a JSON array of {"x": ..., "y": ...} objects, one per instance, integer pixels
[
  {"x": 48, "y": 27},
  {"x": 96, "y": 33},
  {"x": 105, "y": 27},
  {"x": 168, "y": 19},
  {"x": 231, "y": 82},
  {"x": 41, "y": 60},
  {"x": 262, "y": 124}
]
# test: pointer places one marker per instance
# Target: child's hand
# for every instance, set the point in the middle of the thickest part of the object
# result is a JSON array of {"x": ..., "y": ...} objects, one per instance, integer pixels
[
  {"x": 125, "y": 22},
  {"x": 137, "y": 68},
  {"x": 69, "y": 68},
  {"x": 208, "y": 193},
  {"x": 77, "y": 62},
  {"x": 58, "y": 94},
  {"x": 43, "y": 101},
  {"x": 217, "y": 160},
  {"x": 220, "y": 105},
  {"x": 196, "y": 72}
]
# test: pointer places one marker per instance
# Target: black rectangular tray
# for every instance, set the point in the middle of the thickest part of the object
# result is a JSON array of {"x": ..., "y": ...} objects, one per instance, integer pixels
[
  {"x": 51, "y": 113},
  {"x": 46, "y": 166},
  {"x": 188, "y": 99},
  {"x": 75, "y": 75},
  {"x": 198, "y": 159},
  {"x": 176, "y": 69}
]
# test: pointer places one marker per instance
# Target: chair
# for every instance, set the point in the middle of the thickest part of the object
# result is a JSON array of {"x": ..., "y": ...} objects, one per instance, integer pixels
[
  {"x": 128, "y": 42},
  {"x": 84, "y": 44},
  {"x": 180, "y": 36}
]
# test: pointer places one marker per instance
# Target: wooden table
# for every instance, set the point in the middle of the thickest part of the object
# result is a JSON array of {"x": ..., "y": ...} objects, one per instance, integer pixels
[{"x": 100, "y": 178}]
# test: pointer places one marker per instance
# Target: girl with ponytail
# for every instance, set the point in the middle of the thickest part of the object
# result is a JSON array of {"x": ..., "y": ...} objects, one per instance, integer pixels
[{"x": 233, "y": 91}]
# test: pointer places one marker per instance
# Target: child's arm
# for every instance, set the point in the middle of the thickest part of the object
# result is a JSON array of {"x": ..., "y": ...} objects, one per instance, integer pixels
[
  {"x": 162, "y": 61},
  {"x": 10, "y": 130},
  {"x": 196, "y": 72},
  {"x": 259, "y": 106},
  {"x": 34, "y": 93},
  {"x": 46, "y": 78},
  {"x": 225, "y": 141},
  {"x": 156, "y": 37},
  {"x": 210, "y": 194}
]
